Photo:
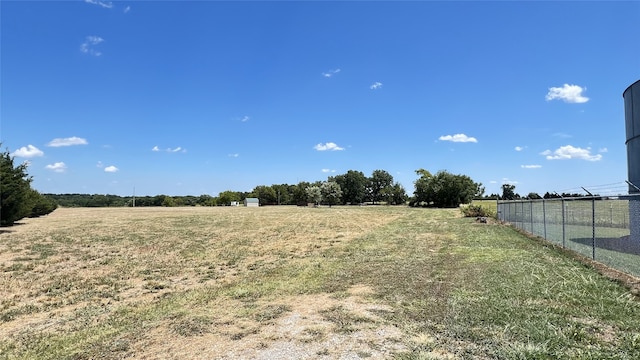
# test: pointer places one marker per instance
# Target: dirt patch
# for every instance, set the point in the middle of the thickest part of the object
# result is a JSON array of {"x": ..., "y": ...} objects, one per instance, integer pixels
[{"x": 304, "y": 331}]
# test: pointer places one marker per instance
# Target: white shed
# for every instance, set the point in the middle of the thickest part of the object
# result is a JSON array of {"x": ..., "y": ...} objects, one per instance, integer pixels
[{"x": 251, "y": 202}]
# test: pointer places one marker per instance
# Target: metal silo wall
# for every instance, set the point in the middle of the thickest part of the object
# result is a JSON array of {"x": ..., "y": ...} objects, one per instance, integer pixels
[{"x": 632, "y": 122}]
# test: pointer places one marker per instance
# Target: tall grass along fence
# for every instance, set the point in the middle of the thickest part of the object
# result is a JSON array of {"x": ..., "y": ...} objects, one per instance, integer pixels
[{"x": 604, "y": 229}]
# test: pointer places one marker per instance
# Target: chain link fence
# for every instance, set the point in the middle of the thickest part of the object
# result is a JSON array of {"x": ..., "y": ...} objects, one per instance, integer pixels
[{"x": 604, "y": 229}]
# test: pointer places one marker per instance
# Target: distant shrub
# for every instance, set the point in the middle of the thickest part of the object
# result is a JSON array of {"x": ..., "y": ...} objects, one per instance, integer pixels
[{"x": 476, "y": 211}]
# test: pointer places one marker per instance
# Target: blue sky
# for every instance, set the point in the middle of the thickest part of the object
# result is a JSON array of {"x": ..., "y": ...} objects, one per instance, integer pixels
[{"x": 191, "y": 98}]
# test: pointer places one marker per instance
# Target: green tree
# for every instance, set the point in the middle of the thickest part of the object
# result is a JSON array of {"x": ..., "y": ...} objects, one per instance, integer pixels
[
  {"x": 206, "y": 200},
  {"x": 15, "y": 186},
  {"x": 397, "y": 195},
  {"x": 226, "y": 197},
  {"x": 284, "y": 193},
  {"x": 299, "y": 196},
  {"x": 331, "y": 192},
  {"x": 40, "y": 204},
  {"x": 445, "y": 189},
  {"x": 424, "y": 192},
  {"x": 314, "y": 194},
  {"x": 508, "y": 192},
  {"x": 534, "y": 196},
  {"x": 378, "y": 184},
  {"x": 354, "y": 186},
  {"x": 167, "y": 201},
  {"x": 265, "y": 194}
]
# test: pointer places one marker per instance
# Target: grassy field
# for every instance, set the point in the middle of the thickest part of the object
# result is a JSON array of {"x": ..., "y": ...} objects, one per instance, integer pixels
[{"x": 371, "y": 282}]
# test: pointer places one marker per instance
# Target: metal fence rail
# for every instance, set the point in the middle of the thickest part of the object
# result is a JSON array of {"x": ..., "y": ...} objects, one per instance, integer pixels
[{"x": 604, "y": 229}]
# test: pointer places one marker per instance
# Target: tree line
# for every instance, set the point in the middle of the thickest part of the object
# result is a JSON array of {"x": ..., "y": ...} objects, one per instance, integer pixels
[
  {"x": 508, "y": 193},
  {"x": 441, "y": 189},
  {"x": 350, "y": 188}
]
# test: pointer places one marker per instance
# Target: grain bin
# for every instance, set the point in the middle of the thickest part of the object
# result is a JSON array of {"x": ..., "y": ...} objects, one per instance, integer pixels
[{"x": 632, "y": 122}]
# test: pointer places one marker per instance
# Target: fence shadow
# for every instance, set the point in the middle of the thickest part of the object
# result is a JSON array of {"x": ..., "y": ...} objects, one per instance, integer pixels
[{"x": 622, "y": 244}]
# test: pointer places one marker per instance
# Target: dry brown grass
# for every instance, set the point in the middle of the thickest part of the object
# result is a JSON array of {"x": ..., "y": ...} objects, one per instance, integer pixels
[
  {"x": 371, "y": 282},
  {"x": 186, "y": 283}
]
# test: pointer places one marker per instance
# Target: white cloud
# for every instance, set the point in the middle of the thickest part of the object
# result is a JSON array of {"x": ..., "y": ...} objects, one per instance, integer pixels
[
  {"x": 508, "y": 181},
  {"x": 376, "y": 85},
  {"x": 531, "y": 166},
  {"x": 234, "y": 155},
  {"x": 458, "y": 138},
  {"x": 58, "y": 167},
  {"x": 127, "y": 9},
  {"x": 111, "y": 169},
  {"x": 562, "y": 135},
  {"x": 245, "y": 119},
  {"x": 67, "y": 141},
  {"x": 328, "y": 171},
  {"x": 28, "y": 151},
  {"x": 88, "y": 44},
  {"x": 328, "y": 146},
  {"x": 104, "y": 4},
  {"x": 330, "y": 73},
  {"x": 603, "y": 150},
  {"x": 519, "y": 148},
  {"x": 571, "y": 94},
  {"x": 568, "y": 152},
  {"x": 178, "y": 149}
]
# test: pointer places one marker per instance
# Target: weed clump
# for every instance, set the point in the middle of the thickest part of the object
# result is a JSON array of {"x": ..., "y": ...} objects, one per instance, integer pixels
[{"x": 472, "y": 210}]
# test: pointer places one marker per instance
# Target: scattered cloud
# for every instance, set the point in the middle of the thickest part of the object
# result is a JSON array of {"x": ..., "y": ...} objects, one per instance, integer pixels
[
  {"x": 328, "y": 170},
  {"x": 178, "y": 149},
  {"x": 58, "y": 167},
  {"x": 245, "y": 119},
  {"x": 603, "y": 150},
  {"x": 508, "y": 181},
  {"x": 330, "y": 73},
  {"x": 328, "y": 147},
  {"x": 376, "y": 85},
  {"x": 127, "y": 9},
  {"x": 569, "y": 152},
  {"x": 518, "y": 148},
  {"x": 70, "y": 141},
  {"x": 562, "y": 135},
  {"x": 234, "y": 155},
  {"x": 531, "y": 166},
  {"x": 104, "y": 4},
  {"x": 28, "y": 151},
  {"x": 99, "y": 164},
  {"x": 89, "y": 42},
  {"x": 571, "y": 94},
  {"x": 458, "y": 138},
  {"x": 26, "y": 163},
  {"x": 111, "y": 169}
]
